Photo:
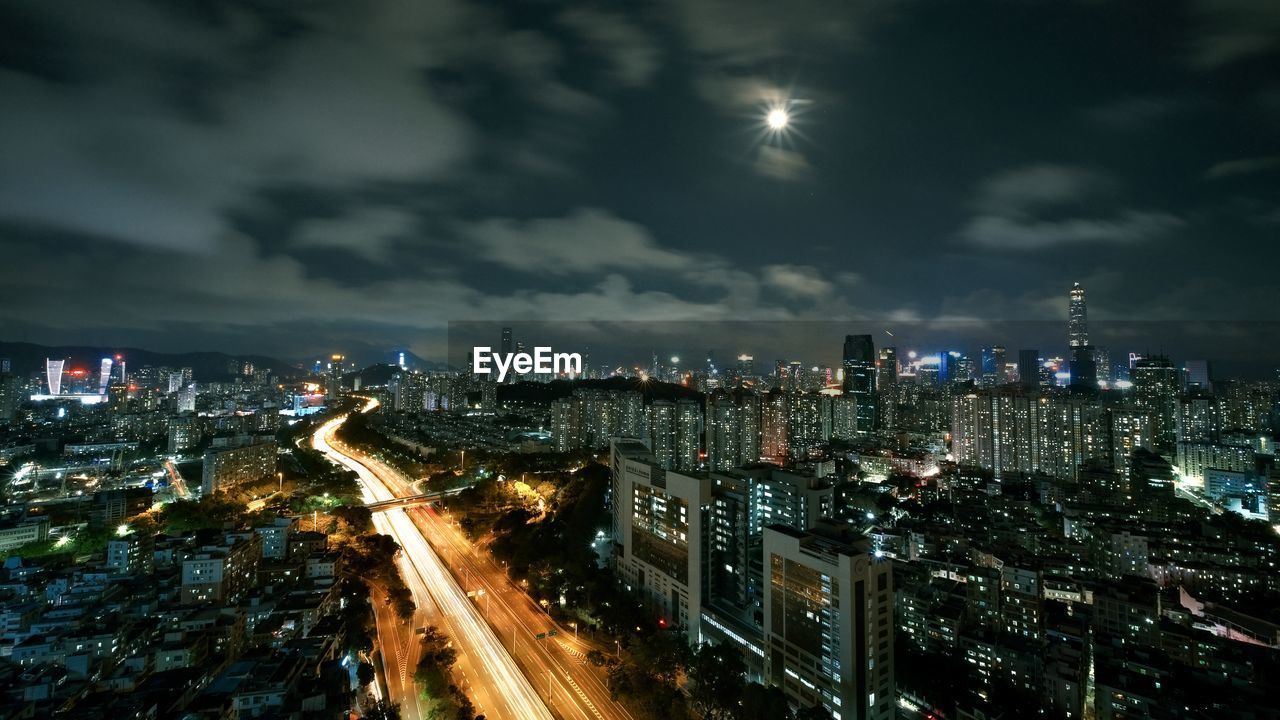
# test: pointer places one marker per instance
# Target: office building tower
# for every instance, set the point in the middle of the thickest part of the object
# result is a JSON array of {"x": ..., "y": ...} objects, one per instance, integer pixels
[
  {"x": 992, "y": 369},
  {"x": 887, "y": 371},
  {"x": 1077, "y": 318},
  {"x": 104, "y": 375},
  {"x": 1102, "y": 365},
  {"x": 949, "y": 368},
  {"x": 118, "y": 397},
  {"x": 1083, "y": 368},
  {"x": 828, "y": 614},
  {"x": 1029, "y": 369},
  {"x": 506, "y": 341},
  {"x": 662, "y": 524},
  {"x": 1156, "y": 386},
  {"x": 11, "y": 395},
  {"x": 53, "y": 375},
  {"x": 746, "y": 366},
  {"x": 860, "y": 378},
  {"x": 1196, "y": 373}
]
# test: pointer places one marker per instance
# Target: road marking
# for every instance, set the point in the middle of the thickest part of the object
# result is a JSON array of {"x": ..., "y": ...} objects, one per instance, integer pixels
[{"x": 586, "y": 700}]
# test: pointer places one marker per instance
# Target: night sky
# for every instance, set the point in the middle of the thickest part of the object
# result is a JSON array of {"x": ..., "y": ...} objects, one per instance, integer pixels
[{"x": 347, "y": 176}]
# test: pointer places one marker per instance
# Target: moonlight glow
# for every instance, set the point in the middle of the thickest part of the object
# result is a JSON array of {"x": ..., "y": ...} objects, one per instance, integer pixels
[{"x": 777, "y": 119}]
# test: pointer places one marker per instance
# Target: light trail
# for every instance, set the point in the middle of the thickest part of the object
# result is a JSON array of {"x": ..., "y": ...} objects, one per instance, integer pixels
[
  {"x": 507, "y": 693},
  {"x": 555, "y": 665}
]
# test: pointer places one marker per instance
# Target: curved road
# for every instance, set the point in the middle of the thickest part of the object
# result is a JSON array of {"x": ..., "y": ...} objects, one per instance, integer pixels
[{"x": 491, "y": 676}]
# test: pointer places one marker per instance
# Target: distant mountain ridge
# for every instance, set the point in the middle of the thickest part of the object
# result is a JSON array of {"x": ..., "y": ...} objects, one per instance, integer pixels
[{"x": 27, "y": 358}]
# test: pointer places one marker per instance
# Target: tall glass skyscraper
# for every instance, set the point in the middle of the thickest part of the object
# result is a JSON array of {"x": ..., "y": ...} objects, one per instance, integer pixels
[
  {"x": 1077, "y": 318},
  {"x": 860, "y": 378}
]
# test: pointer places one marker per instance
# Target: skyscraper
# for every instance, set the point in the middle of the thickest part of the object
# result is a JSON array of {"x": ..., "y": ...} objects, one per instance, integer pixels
[
  {"x": 688, "y": 434},
  {"x": 53, "y": 375},
  {"x": 733, "y": 429},
  {"x": 104, "y": 375},
  {"x": 662, "y": 433},
  {"x": 992, "y": 366},
  {"x": 506, "y": 341},
  {"x": 860, "y": 378},
  {"x": 1029, "y": 369},
  {"x": 1077, "y": 318},
  {"x": 1156, "y": 385},
  {"x": 828, "y": 617},
  {"x": 887, "y": 370}
]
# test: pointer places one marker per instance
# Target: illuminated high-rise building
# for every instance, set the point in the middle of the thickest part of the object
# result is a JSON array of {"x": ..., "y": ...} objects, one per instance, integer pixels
[
  {"x": 662, "y": 433},
  {"x": 733, "y": 429},
  {"x": 506, "y": 341},
  {"x": 1077, "y": 318},
  {"x": 1156, "y": 386},
  {"x": 828, "y": 623},
  {"x": 1197, "y": 375},
  {"x": 662, "y": 521},
  {"x": 844, "y": 417},
  {"x": 773, "y": 426},
  {"x": 53, "y": 375},
  {"x": 1197, "y": 418},
  {"x": 887, "y": 370},
  {"x": 688, "y": 434},
  {"x": 860, "y": 378},
  {"x": 746, "y": 366},
  {"x": 808, "y": 427},
  {"x": 104, "y": 375},
  {"x": 1130, "y": 430},
  {"x": 187, "y": 398},
  {"x": 1029, "y": 369},
  {"x": 993, "y": 360},
  {"x": 566, "y": 424}
]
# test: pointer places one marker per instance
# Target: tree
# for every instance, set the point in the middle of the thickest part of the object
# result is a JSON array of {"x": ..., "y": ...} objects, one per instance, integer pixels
[
  {"x": 817, "y": 712},
  {"x": 364, "y": 673},
  {"x": 383, "y": 710},
  {"x": 760, "y": 702},
  {"x": 717, "y": 678}
]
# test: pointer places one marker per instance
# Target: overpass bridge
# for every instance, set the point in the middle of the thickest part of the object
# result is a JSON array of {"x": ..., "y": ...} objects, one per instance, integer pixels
[{"x": 411, "y": 500}]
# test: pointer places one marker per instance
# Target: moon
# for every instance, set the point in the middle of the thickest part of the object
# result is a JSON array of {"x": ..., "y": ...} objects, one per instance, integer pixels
[{"x": 777, "y": 119}]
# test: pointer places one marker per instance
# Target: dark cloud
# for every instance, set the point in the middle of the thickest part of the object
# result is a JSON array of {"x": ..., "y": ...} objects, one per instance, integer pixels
[{"x": 298, "y": 177}]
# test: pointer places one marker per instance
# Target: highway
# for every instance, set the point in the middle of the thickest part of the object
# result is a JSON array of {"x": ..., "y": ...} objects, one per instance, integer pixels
[
  {"x": 556, "y": 663},
  {"x": 489, "y": 674}
]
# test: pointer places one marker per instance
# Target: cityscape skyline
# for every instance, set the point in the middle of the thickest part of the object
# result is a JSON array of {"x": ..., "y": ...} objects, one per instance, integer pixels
[{"x": 673, "y": 360}]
